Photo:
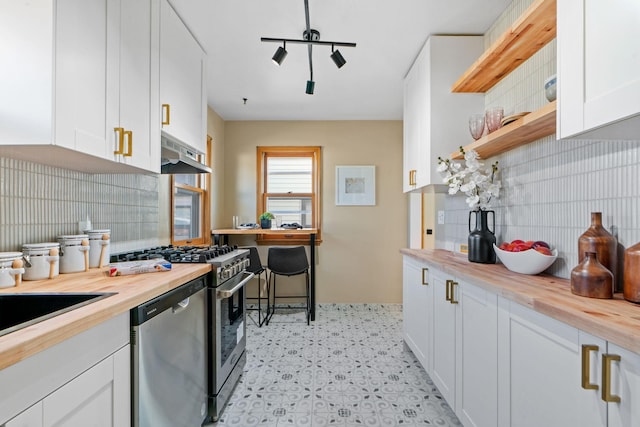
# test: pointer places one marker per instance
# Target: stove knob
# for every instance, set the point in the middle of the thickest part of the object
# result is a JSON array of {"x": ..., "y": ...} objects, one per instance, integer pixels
[
  {"x": 227, "y": 272},
  {"x": 246, "y": 263}
]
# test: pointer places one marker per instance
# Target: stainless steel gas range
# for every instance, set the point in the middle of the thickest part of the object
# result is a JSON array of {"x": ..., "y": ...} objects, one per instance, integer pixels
[{"x": 225, "y": 315}]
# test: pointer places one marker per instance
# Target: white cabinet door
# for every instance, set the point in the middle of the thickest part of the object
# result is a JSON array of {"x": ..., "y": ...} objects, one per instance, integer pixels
[
  {"x": 95, "y": 398},
  {"x": 598, "y": 63},
  {"x": 415, "y": 100},
  {"x": 544, "y": 363},
  {"x": 130, "y": 90},
  {"x": 477, "y": 353},
  {"x": 443, "y": 373},
  {"x": 182, "y": 88},
  {"x": 31, "y": 417},
  {"x": 435, "y": 120},
  {"x": 80, "y": 99},
  {"x": 417, "y": 309},
  {"x": 625, "y": 384}
]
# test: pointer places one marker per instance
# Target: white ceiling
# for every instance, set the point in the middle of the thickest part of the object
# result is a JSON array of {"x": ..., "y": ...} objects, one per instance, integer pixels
[{"x": 388, "y": 33}]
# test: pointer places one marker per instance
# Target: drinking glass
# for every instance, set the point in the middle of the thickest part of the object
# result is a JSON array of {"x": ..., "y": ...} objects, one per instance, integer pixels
[
  {"x": 476, "y": 125},
  {"x": 494, "y": 117}
]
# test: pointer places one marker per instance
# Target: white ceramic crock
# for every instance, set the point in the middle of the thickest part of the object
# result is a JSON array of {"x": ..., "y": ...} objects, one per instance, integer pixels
[
  {"x": 74, "y": 253},
  {"x": 8, "y": 274},
  {"x": 44, "y": 260},
  {"x": 98, "y": 247}
]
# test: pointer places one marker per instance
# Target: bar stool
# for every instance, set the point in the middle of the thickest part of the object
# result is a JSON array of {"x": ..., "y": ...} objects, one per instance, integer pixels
[
  {"x": 257, "y": 269},
  {"x": 288, "y": 261}
]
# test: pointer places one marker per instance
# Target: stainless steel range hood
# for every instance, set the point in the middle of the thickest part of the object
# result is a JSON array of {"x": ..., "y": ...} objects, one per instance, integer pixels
[{"x": 176, "y": 157}]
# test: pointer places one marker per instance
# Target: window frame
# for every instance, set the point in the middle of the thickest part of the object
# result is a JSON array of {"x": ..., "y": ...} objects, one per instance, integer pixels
[
  {"x": 203, "y": 182},
  {"x": 262, "y": 153}
]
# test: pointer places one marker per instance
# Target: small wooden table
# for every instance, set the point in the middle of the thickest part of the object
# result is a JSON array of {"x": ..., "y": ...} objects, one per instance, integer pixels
[{"x": 222, "y": 236}]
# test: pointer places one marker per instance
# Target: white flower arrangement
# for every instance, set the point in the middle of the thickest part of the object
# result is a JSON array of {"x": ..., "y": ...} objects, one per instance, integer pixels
[{"x": 478, "y": 183}]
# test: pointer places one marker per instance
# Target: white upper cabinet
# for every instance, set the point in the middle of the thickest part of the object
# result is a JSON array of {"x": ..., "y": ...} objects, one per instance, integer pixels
[
  {"x": 598, "y": 63},
  {"x": 79, "y": 70},
  {"x": 182, "y": 84},
  {"x": 435, "y": 119},
  {"x": 132, "y": 85}
]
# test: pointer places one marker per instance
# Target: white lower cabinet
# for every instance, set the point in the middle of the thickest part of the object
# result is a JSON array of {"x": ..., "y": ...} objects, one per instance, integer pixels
[
  {"x": 83, "y": 381},
  {"x": 417, "y": 303},
  {"x": 499, "y": 363},
  {"x": 465, "y": 348},
  {"x": 540, "y": 384},
  {"x": 611, "y": 381},
  {"x": 98, "y": 397}
]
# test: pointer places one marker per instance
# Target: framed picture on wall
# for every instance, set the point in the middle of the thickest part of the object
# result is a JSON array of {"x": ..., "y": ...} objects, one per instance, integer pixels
[{"x": 355, "y": 185}]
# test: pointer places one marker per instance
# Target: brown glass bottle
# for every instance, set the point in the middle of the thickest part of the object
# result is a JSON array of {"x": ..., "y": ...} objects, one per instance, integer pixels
[
  {"x": 597, "y": 239},
  {"x": 631, "y": 287},
  {"x": 591, "y": 279}
]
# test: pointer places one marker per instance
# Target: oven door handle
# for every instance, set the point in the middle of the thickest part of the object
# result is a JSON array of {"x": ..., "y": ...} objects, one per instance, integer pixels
[{"x": 222, "y": 292}]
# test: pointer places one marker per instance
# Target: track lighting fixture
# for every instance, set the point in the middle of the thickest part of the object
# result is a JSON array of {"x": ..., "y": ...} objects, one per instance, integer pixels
[
  {"x": 280, "y": 54},
  {"x": 310, "y": 37},
  {"x": 337, "y": 57},
  {"x": 310, "y": 86}
]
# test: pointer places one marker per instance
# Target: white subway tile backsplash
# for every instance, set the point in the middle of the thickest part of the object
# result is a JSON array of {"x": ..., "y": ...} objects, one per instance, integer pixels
[{"x": 39, "y": 203}]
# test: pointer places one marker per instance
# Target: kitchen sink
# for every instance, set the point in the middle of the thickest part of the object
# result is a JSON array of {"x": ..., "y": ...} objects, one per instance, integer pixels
[{"x": 18, "y": 311}]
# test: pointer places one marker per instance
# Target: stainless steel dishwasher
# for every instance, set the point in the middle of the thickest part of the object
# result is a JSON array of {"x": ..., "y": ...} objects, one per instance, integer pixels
[{"x": 169, "y": 372}]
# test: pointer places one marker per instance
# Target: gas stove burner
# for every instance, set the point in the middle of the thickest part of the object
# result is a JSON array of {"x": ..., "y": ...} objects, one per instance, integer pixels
[{"x": 177, "y": 254}]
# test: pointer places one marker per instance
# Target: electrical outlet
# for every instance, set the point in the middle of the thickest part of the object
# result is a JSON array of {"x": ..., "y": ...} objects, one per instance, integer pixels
[{"x": 441, "y": 217}]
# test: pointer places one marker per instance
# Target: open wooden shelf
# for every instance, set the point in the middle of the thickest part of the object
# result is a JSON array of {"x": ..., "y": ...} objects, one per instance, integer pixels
[
  {"x": 533, "y": 126},
  {"x": 528, "y": 34}
]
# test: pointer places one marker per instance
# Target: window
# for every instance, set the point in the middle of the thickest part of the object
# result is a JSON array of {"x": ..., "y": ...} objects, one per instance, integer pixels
[
  {"x": 289, "y": 187},
  {"x": 189, "y": 207}
]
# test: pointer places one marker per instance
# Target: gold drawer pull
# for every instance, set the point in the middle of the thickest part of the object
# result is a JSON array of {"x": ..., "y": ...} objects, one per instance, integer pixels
[
  {"x": 425, "y": 281},
  {"x": 606, "y": 378},
  {"x": 448, "y": 290},
  {"x": 453, "y": 300},
  {"x": 120, "y": 132},
  {"x": 586, "y": 365}
]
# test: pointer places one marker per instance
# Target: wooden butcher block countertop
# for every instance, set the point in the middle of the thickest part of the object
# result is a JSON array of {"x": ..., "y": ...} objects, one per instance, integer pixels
[
  {"x": 615, "y": 320},
  {"x": 131, "y": 290}
]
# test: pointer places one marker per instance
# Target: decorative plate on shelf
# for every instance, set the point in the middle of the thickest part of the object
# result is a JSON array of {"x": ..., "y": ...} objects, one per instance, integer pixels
[{"x": 512, "y": 118}]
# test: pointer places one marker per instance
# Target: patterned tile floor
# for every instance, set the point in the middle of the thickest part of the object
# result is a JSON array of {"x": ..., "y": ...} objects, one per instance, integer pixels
[{"x": 350, "y": 367}]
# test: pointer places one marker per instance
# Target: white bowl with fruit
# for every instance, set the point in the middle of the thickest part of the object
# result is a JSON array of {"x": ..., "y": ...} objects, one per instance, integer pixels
[{"x": 526, "y": 257}]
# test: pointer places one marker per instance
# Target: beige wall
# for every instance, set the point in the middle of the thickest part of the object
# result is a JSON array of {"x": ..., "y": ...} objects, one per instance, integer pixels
[
  {"x": 215, "y": 129},
  {"x": 358, "y": 260}
]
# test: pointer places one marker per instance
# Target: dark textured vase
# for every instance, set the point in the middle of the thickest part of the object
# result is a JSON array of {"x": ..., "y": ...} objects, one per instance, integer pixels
[
  {"x": 591, "y": 279},
  {"x": 597, "y": 239},
  {"x": 265, "y": 224},
  {"x": 482, "y": 238}
]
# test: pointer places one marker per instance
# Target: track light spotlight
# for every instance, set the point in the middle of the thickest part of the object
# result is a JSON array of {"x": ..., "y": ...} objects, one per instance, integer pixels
[
  {"x": 337, "y": 58},
  {"x": 310, "y": 85},
  {"x": 280, "y": 54}
]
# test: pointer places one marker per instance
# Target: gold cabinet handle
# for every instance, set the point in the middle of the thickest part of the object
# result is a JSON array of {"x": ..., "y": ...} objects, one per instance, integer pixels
[
  {"x": 606, "y": 377},
  {"x": 448, "y": 290},
  {"x": 166, "y": 114},
  {"x": 425, "y": 281},
  {"x": 412, "y": 177},
  {"x": 452, "y": 300},
  {"x": 586, "y": 365},
  {"x": 129, "y": 135},
  {"x": 120, "y": 132}
]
